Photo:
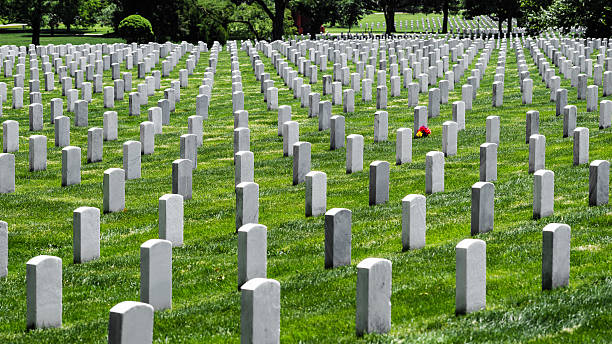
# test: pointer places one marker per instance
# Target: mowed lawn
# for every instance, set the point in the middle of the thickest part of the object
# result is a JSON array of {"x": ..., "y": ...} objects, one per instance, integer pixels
[
  {"x": 378, "y": 17},
  {"x": 317, "y": 304},
  {"x": 19, "y": 37}
]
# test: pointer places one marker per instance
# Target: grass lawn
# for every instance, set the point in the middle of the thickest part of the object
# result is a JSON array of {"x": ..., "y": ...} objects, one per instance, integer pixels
[
  {"x": 379, "y": 17},
  {"x": 317, "y": 304},
  {"x": 20, "y": 37}
]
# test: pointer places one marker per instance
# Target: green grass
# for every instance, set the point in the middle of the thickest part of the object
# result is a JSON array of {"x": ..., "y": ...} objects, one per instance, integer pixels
[
  {"x": 318, "y": 305},
  {"x": 378, "y": 17},
  {"x": 20, "y": 37}
]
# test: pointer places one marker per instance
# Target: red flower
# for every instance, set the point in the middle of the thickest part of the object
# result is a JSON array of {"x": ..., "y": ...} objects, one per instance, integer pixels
[{"x": 424, "y": 131}]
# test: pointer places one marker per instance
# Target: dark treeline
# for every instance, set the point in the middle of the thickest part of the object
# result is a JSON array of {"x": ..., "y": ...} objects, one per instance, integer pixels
[{"x": 210, "y": 20}]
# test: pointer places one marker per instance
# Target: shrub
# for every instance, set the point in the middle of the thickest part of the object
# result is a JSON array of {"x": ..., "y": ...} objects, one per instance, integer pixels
[{"x": 136, "y": 28}]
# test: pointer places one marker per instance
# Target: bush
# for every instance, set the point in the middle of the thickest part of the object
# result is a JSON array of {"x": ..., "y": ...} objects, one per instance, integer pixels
[{"x": 136, "y": 28}]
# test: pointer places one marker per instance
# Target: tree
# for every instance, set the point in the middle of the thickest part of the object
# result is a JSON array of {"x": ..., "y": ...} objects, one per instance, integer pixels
[
  {"x": 444, "y": 6},
  {"x": 275, "y": 13},
  {"x": 350, "y": 12},
  {"x": 31, "y": 12},
  {"x": 390, "y": 7},
  {"x": 68, "y": 10},
  {"x": 317, "y": 13},
  {"x": 593, "y": 15},
  {"x": 500, "y": 10}
]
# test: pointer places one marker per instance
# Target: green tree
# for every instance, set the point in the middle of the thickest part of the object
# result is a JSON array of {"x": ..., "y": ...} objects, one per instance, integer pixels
[
  {"x": 499, "y": 10},
  {"x": 318, "y": 12},
  {"x": 275, "y": 10},
  {"x": 68, "y": 10},
  {"x": 350, "y": 12},
  {"x": 31, "y": 12},
  {"x": 593, "y": 15}
]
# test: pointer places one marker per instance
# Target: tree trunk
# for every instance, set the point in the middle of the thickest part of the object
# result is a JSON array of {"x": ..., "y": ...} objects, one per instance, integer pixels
[
  {"x": 499, "y": 27},
  {"x": 278, "y": 20},
  {"x": 36, "y": 31},
  {"x": 509, "y": 26},
  {"x": 390, "y": 20},
  {"x": 445, "y": 10},
  {"x": 68, "y": 27}
]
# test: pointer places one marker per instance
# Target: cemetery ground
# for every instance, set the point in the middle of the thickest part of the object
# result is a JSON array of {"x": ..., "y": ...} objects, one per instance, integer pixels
[
  {"x": 24, "y": 37},
  {"x": 318, "y": 304}
]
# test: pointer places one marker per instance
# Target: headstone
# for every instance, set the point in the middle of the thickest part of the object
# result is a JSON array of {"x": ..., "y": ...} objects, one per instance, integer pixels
[
  {"x": 71, "y": 165},
  {"x": 581, "y": 146},
  {"x": 434, "y": 103},
  {"x": 537, "y": 152},
  {"x": 483, "y": 209},
  {"x": 498, "y": 93},
  {"x": 413, "y": 222},
  {"x": 599, "y": 182},
  {"x": 7, "y": 171},
  {"x": 147, "y": 137},
  {"x": 555, "y": 256},
  {"x": 379, "y": 182},
  {"x": 493, "y": 129},
  {"x": 189, "y": 148},
  {"x": 592, "y": 98},
  {"x": 420, "y": 118},
  {"x": 130, "y": 322},
  {"x": 466, "y": 96},
  {"x": 570, "y": 113},
  {"x": 10, "y": 136},
  {"x": 373, "y": 301},
  {"x": 403, "y": 146},
  {"x": 449, "y": 138},
  {"x": 532, "y": 124},
  {"x": 156, "y": 273},
  {"x": 543, "y": 193},
  {"x": 109, "y": 97},
  {"x": 488, "y": 162},
  {"x": 381, "y": 97},
  {"x": 44, "y": 292},
  {"x": 434, "y": 172},
  {"x": 94, "y": 145},
  {"x": 349, "y": 101},
  {"x": 171, "y": 219},
  {"x": 36, "y": 117},
  {"x": 134, "y": 99},
  {"x": 337, "y": 237},
  {"x": 244, "y": 167},
  {"x": 459, "y": 114},
  {"x": 202, "y": 103},
  {"x": 114, "y": 190},
  {"x": 132, "y": 159},
  {"x": 81, "y": 113},
  {"x": 260, "y": 311},
  {"x": 301, "y": 161},
  {"x": 155, "y": 116},
  {"x": 284, "y": 115},
  {"x": 110, "y": 126},
  {"x": 471, "y": 276},
  {"x": 86, "y": 234},
  {"x": 605, "y": 114},
  {"x": 252, "y": 252},
  {"x": 182, "y": 174},
  {"x": 325, "y": 109},
  {"x": 561, "y": 101},
  {"x": 57, "y": 108},
  {"x": 291, "y": 135},
  {"x": 37, "y": 153},
  {"x": 241, "y": 139},
  {"x": 3, "y": 249},
  {"x": 247, "y": 204},
  {"x": 316, "y": 193},
  {"x": 336, "y": 132}
]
